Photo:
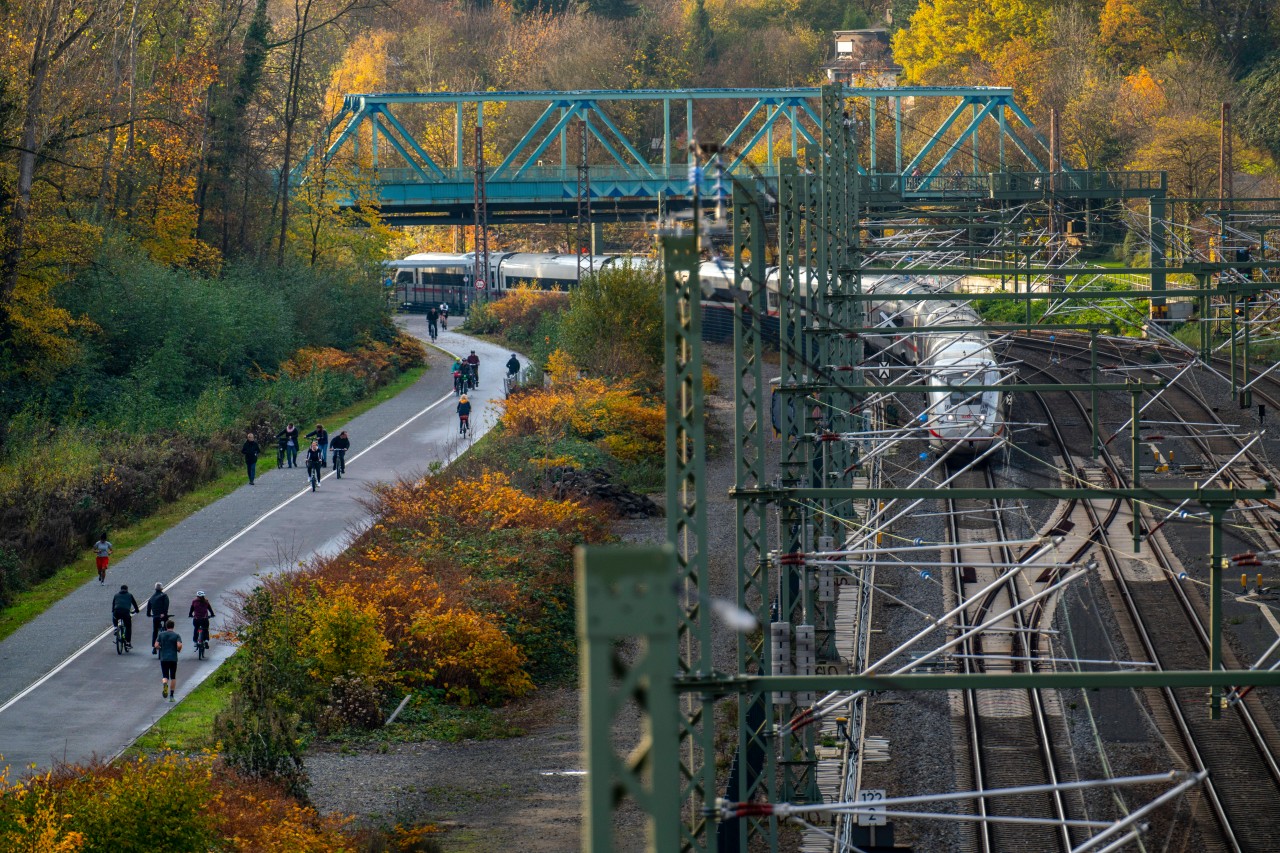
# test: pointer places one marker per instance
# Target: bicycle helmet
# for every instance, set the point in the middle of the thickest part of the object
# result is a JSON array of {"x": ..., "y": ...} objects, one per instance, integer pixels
[{"x": 200, "y": 593}]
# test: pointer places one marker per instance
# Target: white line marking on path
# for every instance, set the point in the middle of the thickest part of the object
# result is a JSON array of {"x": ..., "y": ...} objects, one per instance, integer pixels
[{"x": 207, "y": 557}]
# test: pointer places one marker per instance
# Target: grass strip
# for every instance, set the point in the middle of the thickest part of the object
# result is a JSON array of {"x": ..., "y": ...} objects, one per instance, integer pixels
[
  {"x": 30, "y": 603},
  {"x": 188, "y": 726}
]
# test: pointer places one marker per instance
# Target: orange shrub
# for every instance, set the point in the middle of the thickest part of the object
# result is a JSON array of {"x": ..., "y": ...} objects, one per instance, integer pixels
[
  {"x": 519, "y": 312},
  {"x": 312, "y": 359},
  {"x": 371, "y": 361},
  {"x": 172, "y": 803}
]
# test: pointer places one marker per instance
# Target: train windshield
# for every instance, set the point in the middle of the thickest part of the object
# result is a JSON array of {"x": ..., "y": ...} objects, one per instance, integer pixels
[{"x": 960, "y": 394}]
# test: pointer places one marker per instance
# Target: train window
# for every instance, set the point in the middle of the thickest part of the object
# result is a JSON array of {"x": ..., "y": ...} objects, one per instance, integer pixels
[{"x": 956, "y": 381}]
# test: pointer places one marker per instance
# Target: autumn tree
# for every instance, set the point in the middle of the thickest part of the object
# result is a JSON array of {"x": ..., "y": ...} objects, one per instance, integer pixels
[
  {"x": 966, "y": 41},
  {"x": 308, "y": 20}
]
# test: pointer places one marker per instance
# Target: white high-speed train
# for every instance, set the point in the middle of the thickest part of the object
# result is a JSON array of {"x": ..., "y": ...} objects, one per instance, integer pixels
[
  {"x": 916, "y": 332},
  {"x": 956, "y": 359}
]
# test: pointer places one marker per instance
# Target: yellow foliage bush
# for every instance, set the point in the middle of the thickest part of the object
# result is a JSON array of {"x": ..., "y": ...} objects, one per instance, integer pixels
[
  {"x": 521, "y": 309},
  {"x": 467, "y": 657},
  {"x": 345, "y": 636},
  {"x": 312, "y": 359},
  {"x": 617, "y": 418},
  {"x": 173, "y": 803}
]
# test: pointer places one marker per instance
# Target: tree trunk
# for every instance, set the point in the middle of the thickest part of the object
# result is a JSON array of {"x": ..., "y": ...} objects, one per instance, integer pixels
[
  {"x": 16, "y": 229},
  {"x": 293, "y": 94}
]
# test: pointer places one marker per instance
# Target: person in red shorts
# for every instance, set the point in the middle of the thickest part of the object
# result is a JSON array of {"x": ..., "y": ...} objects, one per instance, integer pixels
[{"x": 102, "y": 549}]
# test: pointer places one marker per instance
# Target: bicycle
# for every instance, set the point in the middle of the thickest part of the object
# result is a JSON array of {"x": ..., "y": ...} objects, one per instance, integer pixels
[
  {"x": 121, "y": 645},
  {"x": 339, "y": 463},
  {"x": 313, "y": 474},
  {"x": 202, "y": 639},
  {"x": 464, "y": 425}
]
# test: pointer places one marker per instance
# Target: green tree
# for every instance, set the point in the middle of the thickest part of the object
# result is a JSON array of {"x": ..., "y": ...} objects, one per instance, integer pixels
[
  {"x": 1257, "y": 110},
  {"x": 613, "y": 326},
  {"x": 259, "y": 731},
  {"x": 702, "y": 41}
]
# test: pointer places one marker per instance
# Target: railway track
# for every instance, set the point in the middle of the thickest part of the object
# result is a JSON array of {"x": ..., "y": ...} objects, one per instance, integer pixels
[
  {"x": 1168, "y": 626},
  {"x": 1008, "y": 731}
]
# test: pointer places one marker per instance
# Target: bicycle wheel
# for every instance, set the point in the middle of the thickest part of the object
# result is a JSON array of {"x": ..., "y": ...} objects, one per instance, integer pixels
[
  {"x": 314, "y": 479},
  {"x": 202, "y": 645},
  {"x": 119, "y": 639}
]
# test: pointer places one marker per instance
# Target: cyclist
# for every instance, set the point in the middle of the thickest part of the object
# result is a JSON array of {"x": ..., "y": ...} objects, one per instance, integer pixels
[
  {"x": 464, "y": 415},
  {"x": 158, "y": 610},
  {"x": 513, "y": 365},
  {"x": 433, "y": 318},
  {"x": 458, "y": 378},
  {"x": 314, "y": 462},
  {"x": 444, "y": 315},
  {"x": 102, "y": 550},
  {"x": 201, "y": 612},
  {"x": 322, "y": 438},
  {"x": 289, "y": 440},
  {"x": 167, "y": 645},
  {"x": 340, "y": 445},
  {"x": 474, "y": 361},
  {"x": 120, "y": 605}
]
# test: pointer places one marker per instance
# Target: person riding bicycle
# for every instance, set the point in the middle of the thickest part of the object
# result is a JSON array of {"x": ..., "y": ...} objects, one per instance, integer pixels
[
  {"x": 321, "y": 435},
  {"x": 158, "y": 610},
  {"x": 340, "y": 445},
  {"x": 433, "y": 318},
  {"x": 314, "y": 459},
  {"x": 459, "y": 380},
  {"x": 444, "y": 315},
  {"x": 121, "y": 603},
  {"x": 201, "y": 612},
  {"x": 464, "y": 414},
  {"x": 513, "y": 365},
  {"x": 474, "y": 361}
]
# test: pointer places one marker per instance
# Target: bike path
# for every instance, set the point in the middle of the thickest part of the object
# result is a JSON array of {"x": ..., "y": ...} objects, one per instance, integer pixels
[{"x": 65, "y": 694}]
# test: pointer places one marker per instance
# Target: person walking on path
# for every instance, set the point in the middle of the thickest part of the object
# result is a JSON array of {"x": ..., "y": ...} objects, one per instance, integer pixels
[
  {"x": 167, "y": 645},
  {"x": 289, "y": 435},
  {"x": 102, "y": 556},
  {"x": 250, "y": 451},
  {"x": 158, "y": 610},
  {"x": 322, "y": 438},
  {"x": 513, "y": 365},
  {"x": 121, "y": 604}
]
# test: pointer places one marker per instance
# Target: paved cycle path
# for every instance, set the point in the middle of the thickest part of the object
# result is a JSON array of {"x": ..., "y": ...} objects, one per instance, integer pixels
[{"x": 64, "y": 692}]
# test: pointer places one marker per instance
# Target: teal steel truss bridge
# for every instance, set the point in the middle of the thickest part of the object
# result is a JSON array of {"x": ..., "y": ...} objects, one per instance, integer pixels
[{"x": 416, "y": 152}]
